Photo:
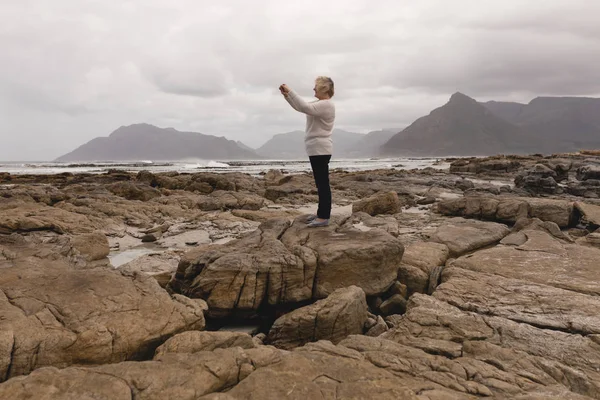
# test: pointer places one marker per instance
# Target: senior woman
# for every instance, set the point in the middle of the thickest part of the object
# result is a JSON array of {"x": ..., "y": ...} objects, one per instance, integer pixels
[{"x": 320, "y": 117}]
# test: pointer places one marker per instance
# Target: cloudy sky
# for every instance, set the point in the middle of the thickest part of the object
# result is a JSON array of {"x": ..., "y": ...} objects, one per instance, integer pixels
[{"x": 72, "y": 70}]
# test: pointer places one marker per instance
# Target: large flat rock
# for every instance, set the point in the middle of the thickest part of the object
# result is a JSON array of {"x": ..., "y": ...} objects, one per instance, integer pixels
[
  {"x": 281, "y": 264},
  {"x": 519, "y": 300},
  {"x": 541, "y": 259},
  {"x": 463, "y": 235}
]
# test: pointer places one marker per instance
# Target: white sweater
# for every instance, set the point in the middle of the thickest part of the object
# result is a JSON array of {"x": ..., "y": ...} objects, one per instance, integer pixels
[{"x": 320, "y": 116}]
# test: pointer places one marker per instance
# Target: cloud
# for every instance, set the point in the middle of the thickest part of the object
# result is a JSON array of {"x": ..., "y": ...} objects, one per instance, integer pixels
[{"x": 71, "y": 71}]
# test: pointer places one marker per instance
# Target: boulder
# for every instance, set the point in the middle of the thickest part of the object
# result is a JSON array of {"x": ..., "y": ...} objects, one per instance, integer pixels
[
  {"x": 590, "y": 214},
  {"x": 54, "y": 314},
  {"x": 464, "y": 184},
  {"x": 91, "y": 246},
  {"x": 379, "y": 328},
  {"x": 394, "y": 305},
  {"x": 483, "y": 165},
  {"x": 342, "y": 313},
  {"x": 586, "y": 172},
  {"x": 133, "y": 191},
  {"x": 419, "y": 261},
  {"x": 510, "y": 209},
  {"x": 228, "y": 200},
  {"x": 589, "y": 189},
  {"x": 379, "y": 203},
  {"x": 463, "y": 236},
  {"x": 279, "y": 264}
]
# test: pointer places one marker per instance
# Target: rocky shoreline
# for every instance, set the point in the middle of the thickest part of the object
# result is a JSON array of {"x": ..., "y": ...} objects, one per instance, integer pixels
[{"x": 481, "y": 280}]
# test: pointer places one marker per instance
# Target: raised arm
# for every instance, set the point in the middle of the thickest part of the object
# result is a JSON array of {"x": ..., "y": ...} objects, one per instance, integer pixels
[{"x": 316, "y": 109}]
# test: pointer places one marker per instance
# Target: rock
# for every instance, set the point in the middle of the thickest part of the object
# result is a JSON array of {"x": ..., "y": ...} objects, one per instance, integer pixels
[
  {"x": 371, "y": 321},
  {"x": 544, "y": 226},
  {"x": 586, "y": 172},
  {"x": 150, "y": 237},
  {"x": 590, "y": 214},
  {"x": 279, "y": 264},
  {"x": 262, "y": 216},
  {"x": 514, "y": 239},
  {"x": 510, "y": 209},
  {"x": 462, "y": 236},
  {"x": 364, "y": 222},
  {"x": 342, "y": 313},
  {"x": 21, "y": 217},
  {"x": 160, "y": 266},
  {"x": 322, "y": 371},
  {"x": 180, "y": 241},
  {"x": 380, "y": 203},
  {"x": 171, "y": 375},
  {"x": 398, "y": 288},
  {"x": 394, "y": 305},
  {"x": 538, "y": 305},
  {"x": 273, "y": 175},
  {"x": 227, "y": 200},
  {"x": 592, "y": 240},
  {"x": 464, "y": 184},
  {"x": 57, "y": 315},
  {"x": 536, "y": 182},
  {"x": 133, "y": 191},
  {"x": 477, "y": 165},
  {"x": 92, "y": 246},
  {"x": 542, "y": 259},
  {"x": 426, "y": 201},
  {"x": 200, "y": 187},
  {"x": 418, "y": 261},
  {"x": 197, "y": 341},
  {"x": 378, "y": 329},
  {"x": 587, "y": 189},
  {"x": 510, "y": 358}
]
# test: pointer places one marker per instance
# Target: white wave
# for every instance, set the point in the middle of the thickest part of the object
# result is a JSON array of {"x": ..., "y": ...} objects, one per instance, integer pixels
[{"x": 216, "y": 164}]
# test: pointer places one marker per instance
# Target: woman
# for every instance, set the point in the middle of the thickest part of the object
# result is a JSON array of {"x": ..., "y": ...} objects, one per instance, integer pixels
[{"x": 320, "y": 116}]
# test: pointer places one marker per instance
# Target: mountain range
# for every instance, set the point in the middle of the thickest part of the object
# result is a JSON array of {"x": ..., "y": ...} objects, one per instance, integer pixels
[
  {"x": 346, "y": 144},
  {"x": 461, "y": 127},
  {"x": 465, "y": 127},
  {"x": 148, "y": 142}
]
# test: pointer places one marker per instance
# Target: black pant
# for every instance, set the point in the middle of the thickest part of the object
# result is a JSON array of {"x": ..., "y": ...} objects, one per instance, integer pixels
[{"x": 320, "y": 168}]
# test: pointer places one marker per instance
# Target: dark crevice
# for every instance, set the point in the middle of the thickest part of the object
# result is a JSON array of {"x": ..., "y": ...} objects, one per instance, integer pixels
[{"x": 12, "y": 358}]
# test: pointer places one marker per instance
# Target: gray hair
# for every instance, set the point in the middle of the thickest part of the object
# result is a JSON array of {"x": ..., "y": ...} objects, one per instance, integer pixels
[{"x": 324, "y": 84}]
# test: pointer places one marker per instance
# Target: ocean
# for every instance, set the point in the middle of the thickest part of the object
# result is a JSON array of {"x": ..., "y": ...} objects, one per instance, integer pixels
[{"x": 254, "y": 168}]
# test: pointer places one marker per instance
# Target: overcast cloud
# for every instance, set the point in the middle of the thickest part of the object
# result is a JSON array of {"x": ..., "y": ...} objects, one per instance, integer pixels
[{"x": 72, "y": 70}]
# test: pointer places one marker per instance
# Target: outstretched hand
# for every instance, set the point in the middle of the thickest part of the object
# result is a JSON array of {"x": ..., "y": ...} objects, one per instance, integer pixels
[{"x": 284, "y": 89}]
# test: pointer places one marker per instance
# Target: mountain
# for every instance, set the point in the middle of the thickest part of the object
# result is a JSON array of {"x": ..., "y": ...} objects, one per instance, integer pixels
[
  {"x": 369, "y": 144},
  {"x": 504, "y": 109},
  {"x": 290, "y": 145},
  {"x": 148, "y": 142},
  {"x": 462, "y": 127},
  {"x": 557, "y": 124}
]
